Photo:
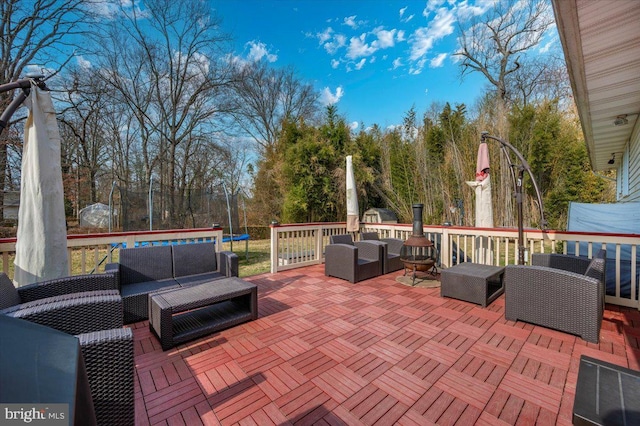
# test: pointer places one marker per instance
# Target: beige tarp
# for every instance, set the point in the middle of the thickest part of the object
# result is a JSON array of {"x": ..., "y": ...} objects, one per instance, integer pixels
[
  {"x": 353, "y": 222},
  {"x": 41, "y": 248}
]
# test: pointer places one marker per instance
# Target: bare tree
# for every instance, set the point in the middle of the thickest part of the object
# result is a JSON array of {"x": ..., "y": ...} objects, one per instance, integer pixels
[
  {"x": 539, "y": 78},
  {"x": 173, "y": 74},
  {"x": 85, "y": 104},
  {"x": 495, "y": 43},
  {"x": 40, "y": 34},
  {"x": 265, "y": 97}
]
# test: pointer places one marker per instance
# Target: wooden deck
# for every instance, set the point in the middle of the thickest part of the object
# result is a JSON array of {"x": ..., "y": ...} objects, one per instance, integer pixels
[{"x": 325, "y": 351}]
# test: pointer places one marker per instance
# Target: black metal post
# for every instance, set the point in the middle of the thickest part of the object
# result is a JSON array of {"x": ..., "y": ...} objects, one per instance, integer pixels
[
  {"x": 517, "y": 183},
  {"x": 518, "y": 195},
  {"x": 25, "y": 85}
]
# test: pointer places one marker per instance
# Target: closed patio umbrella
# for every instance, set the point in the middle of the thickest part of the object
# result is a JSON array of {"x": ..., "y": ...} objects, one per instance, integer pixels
[
  {"x": 41, "y": 247},
  {"x": 353, "y": 221},
  {"x": 484, "y": 209}
]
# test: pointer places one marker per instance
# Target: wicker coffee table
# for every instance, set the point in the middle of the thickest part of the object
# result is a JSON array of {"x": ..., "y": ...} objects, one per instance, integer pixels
[
  {"x": 184, "y": 314},
  {"x": 472, "y": 282}
]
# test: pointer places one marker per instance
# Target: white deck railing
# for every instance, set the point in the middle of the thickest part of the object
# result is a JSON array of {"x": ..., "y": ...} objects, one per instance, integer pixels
[
  {"x": 297, "y": 245},
  {"x": 89, "y": 253}
]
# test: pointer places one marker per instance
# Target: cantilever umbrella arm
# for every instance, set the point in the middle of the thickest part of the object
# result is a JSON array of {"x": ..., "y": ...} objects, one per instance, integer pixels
[
  {"x": 25, "y": 85},
  {"x": 517, "y": 183}
]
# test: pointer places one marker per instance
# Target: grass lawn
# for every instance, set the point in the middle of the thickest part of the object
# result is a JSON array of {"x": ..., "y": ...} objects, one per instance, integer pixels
[{"x": 254, "y": 261}]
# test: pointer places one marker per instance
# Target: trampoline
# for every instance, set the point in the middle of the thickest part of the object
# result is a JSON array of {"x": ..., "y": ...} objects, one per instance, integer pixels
[{"x": 238, "y": 237}]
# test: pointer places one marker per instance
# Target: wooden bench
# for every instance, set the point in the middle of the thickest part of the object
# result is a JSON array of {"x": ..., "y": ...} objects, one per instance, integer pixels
[{"x": 180, "y": 315}]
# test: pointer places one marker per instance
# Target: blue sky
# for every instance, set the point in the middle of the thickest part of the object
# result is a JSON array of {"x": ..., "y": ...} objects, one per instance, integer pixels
[{"x": 374, "y": 59}]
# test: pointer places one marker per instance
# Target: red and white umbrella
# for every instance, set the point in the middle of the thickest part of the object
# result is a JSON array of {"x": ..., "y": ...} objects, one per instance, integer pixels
[
  {"x": 484, "y": 209},
  {"x": 482, "y": 187}
]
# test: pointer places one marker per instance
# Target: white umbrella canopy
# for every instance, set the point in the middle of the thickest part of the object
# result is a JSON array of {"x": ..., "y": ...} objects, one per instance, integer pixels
[
  {"x": 353, "y": 221},
  {"x": 41, "y": 247},
  {"x": 484, "y": 209}
]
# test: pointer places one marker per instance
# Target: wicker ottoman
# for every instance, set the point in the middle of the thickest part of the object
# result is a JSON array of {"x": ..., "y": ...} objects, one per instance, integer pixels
[
  {"x": 184, "y": 314},
  {"x": 472, "y": 282}
]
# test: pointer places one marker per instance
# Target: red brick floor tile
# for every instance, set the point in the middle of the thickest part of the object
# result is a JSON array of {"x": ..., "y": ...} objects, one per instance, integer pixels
[{"x": 328, "y": 352}]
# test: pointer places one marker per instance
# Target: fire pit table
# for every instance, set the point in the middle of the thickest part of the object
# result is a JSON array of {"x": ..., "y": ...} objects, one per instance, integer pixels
[{"x": 472, "y": 282}]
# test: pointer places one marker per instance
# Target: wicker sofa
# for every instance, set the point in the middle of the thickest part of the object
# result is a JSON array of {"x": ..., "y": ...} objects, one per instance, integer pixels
[
  {"x": 145, "y": 270},
  {"x": 352, "y": 261},
  {"x": 89, "y": 307},
  {"x": 557, "y": 291},
  {"x": 391, "y": 251}
]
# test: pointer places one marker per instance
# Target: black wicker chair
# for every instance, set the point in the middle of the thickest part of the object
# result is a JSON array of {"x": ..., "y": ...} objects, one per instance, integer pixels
[
  {"x": 565, "y": 294},
  {"x": 85, "y": 306},
  {"x": 75, "y": 305},
  {"x": 391, "y": 255},
  {"x": 352, "y": 261}
]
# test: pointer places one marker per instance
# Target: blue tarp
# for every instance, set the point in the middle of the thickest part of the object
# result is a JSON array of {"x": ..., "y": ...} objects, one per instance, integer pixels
[
  {"x": 236, "y": 237},
  {"x": 617, "y": 218}
]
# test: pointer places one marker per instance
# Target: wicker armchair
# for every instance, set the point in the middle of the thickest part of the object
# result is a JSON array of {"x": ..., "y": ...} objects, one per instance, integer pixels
[
  {"x": 108, "y": 358},
  {"x": 391, "y": 251},
  {"x": 95, "y": 318},
  {"x": 74, "y": 305},
  {"x": 352, "y": 261},
  {"x": 569, "y": 300}
]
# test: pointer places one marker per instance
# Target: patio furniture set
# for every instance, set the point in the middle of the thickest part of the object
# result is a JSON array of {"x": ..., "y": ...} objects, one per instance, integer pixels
[
  {"x": 186, "y": 291},
  {"x": 557, "y": 291},
  {"x": 360, "y": 260}
]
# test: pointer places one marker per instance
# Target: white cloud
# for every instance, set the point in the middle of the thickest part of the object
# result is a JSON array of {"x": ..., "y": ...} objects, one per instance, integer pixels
[
  {"x": 360, "y": 64},
  {"x": 402, "y": 18},
  {"x": 358, "y": 48},
  {"x": 258, "y": 51},
  {"x": 423, "y": 38},
  {"x": 400, "y": 35},
  {"x": 325, "y": 35},
  {"x": 386, "y": 38},
  {"x": 438, "y": 60},
  {"x": 354, "y": 125},
  {"x": 335, "y": 63},
  {"x": 83, "y": 63},
  {"x": 466, "y": 11},
  {"x": 431, "y": 6},
  {"x": 397, "y": 63},
  {"x": 547, "y": 46},
  {"x": 339, "y": 40},
  {"x": 417, "y": 67},
  {"x": 426, "y": 91},
  {"x": 351, "y": 21},
  {"x": 329, "y": 98}
]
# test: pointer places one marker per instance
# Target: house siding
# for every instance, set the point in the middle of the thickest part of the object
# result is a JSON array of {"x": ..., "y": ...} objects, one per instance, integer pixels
[{"x": 634, "y": 169}]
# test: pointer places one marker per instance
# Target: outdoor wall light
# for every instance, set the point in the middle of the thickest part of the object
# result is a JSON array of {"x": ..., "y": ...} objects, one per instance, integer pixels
[
  {"x": 620, "y": 120},
  {"x": 612, "y": 159}
]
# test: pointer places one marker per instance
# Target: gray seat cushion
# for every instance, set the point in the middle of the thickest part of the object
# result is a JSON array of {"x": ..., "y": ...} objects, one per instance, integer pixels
[
  {"x": 142, "y": 264},
  {"x": 147, "y": 287},
  {"x": 194, "y": 259},
  {"x": 190, "y": 280}
]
